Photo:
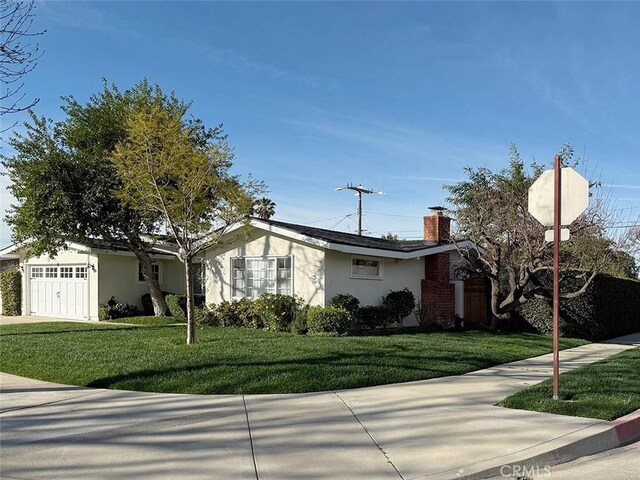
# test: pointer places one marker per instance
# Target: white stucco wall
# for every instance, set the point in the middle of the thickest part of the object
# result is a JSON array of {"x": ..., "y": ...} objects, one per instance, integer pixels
[
  {"x": 118, "y": 277},
  {"x": 65, "y": 257},
  {"x": 308, "y": 264},
  {"x": 396, "y": 275}
]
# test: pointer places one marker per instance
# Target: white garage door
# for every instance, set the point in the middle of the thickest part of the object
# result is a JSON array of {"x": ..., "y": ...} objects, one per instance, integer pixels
[{"x": 59, "y": 291}]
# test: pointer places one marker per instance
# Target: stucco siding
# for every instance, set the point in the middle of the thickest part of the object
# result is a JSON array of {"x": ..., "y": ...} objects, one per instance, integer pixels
[
  {"x": 118, "y": 277},
  {"x": 396, "y": 275},
  {"x": 307, "y": 264}
]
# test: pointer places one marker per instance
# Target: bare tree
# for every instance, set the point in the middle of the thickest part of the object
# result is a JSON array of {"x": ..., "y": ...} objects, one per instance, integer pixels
[
  {"x": 18, "y": 56},
  {"x": 491, "y": 209}
]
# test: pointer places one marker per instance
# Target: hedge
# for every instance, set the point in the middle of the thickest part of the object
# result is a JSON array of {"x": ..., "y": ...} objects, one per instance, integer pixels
[
  {"x": 610, "y": 307},
  {"x": 11, "y": 291}
]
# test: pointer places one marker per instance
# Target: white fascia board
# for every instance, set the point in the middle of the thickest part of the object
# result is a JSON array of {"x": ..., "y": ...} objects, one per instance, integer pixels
[
  {"x": 285, "y": 232},
  {"x": 13, "y": 250},
  {"x": 78, "y": 247},
  {"x": 126, "y": 253},
  {"x": 375, "y": 252}
]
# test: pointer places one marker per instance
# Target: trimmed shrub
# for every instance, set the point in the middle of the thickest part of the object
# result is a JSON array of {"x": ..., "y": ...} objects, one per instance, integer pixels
[
  {"x": 147, "y": 304},
  {"x": 328, "y": 320},
  {"x": 278, "y": 311},
  {"x": 609, "y": 308},
  {"x": 177, "y": 305},
  {"x": 299, "y": 324},
  {"x": 114, "y": 309},
  {"x": 11, "y": 291},
  {"x": 400, "y": 303},
  {"x": 350, "y": 303},
  {"x": 202, "y": 315},
  {"x": 237, "y": 313},
  {"x": 374, "y": 316}
]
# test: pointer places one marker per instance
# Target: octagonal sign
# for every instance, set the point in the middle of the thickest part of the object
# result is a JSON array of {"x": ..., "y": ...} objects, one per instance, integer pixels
[{"x": 574, "y": 197}]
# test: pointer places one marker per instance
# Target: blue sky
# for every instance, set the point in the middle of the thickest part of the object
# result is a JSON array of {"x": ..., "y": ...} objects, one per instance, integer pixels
[{"x": 397, "y": 96}]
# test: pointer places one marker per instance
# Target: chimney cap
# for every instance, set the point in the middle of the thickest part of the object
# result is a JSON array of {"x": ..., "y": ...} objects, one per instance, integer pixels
[{"x": 437, "y": 208}]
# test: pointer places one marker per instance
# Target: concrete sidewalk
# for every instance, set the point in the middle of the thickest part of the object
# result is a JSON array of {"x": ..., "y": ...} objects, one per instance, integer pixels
[{"x": 434, "y": 429}]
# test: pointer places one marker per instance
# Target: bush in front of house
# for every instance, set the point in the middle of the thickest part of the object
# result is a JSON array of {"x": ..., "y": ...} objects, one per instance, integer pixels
[
  {"x": 114, "y": 309},
  {"x": 329, "y": 320},
  {"x": 350, "y": 303},
  {"x": 400, "y": 304},
  {"x": 236, "y": 313},
  {"x": 299, "y": 324},
  {"x": 11, "y": 291},
  {"x": 147, "y": 304},
  {"x": 278, "y": 311},
  {"x": 374, "y": 316},
  {"x": 177, "y": 305},
  {"x": 203, "y": 315}
]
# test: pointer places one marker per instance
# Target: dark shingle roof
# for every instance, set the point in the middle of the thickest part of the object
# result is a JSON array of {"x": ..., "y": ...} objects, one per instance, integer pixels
[{"x": 352, "y": 239}]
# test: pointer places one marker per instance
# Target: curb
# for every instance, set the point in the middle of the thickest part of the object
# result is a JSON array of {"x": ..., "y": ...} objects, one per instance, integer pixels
[{"x": 623, "y": 431}]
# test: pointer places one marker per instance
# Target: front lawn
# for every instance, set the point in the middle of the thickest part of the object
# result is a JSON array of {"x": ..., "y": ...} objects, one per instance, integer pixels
[
  {"x": 607, "y": 389},
  {"x": 237, "y": 360}
]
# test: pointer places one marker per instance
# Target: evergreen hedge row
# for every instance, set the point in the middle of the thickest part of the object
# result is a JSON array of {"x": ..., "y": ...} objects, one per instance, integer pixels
[
  {"x": 609, "y": 308},
  {"x": 11, "y": 291}
]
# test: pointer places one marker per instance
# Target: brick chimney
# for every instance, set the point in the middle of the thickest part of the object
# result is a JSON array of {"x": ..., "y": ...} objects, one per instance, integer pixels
[{"x": 437, "y": 226}]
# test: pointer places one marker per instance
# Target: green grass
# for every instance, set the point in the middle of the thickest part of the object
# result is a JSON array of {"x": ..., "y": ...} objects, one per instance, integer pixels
[
  {"x": 607, "y": 389},
  {"x": 236, "y": 360},
  {"x": 149, "y": 320}
]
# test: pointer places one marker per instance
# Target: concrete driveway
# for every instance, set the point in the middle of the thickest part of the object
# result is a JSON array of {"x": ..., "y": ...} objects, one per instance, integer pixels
[
  {"x": 434, "y": 429},
  {"x": 6, "y": 320}
]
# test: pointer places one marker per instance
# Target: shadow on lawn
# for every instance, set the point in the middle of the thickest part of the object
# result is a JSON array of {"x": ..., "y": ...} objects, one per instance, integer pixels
[{"x": 255, "y": 373}]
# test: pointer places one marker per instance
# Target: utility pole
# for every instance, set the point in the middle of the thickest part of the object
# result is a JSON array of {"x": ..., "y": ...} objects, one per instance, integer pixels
[{"x": 359, "y": 189}]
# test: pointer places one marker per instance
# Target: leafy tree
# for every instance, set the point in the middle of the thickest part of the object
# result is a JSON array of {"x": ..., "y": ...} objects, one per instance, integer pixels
[
  {"x": 264, "y": 208},
  {"x": 66, "y": 186},
  {"x": 18, "y": 57},
  {"x": 491, "y": 209},
  {"x": 389, "y": 236},
  {"x": 165, "y": 173}
]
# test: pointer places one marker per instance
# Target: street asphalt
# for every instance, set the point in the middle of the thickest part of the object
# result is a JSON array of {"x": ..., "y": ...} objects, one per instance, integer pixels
[{"x": 433, "y": 429}]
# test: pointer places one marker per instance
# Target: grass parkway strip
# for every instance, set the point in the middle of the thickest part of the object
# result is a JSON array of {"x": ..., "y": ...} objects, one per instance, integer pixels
[{"x": 607, "y": 389}]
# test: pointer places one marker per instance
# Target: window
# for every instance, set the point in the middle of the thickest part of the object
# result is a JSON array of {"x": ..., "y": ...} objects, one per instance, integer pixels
[
  {"x": 81, "y": 272},
  {"x": 366, "y": 267},
  {"x": 155, "y": 268},
  {"x": 37, "y": 272},
  {"x": 51, "y": 272},
  {"x": 198, "y": 278},
  {"x": 66, "y": 272},
  {"x": 254, "y": 276}
]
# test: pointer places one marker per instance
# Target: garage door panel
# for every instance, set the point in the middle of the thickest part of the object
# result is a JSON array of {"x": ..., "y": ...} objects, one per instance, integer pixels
[{"x": 59, "y": 297}]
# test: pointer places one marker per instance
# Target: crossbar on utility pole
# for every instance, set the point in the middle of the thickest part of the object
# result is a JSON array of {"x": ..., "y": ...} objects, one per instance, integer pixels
[{"x": 359, "y": 189}]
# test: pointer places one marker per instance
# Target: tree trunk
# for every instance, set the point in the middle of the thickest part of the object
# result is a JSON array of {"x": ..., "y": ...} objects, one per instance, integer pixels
[
  {"x": 191, "y": 327},
  {"x": 157, "y": 298}
]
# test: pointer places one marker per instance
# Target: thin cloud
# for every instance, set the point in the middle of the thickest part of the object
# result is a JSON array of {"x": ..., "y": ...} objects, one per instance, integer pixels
[{"x": 616, "y": 185}]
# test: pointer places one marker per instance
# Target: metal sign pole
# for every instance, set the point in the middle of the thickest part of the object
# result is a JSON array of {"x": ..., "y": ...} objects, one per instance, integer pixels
[{"x": 557, "y": 195}]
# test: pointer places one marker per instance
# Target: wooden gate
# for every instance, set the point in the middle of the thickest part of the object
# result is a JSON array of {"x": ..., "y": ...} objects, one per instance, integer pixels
[{"x": 476, "y": 305}]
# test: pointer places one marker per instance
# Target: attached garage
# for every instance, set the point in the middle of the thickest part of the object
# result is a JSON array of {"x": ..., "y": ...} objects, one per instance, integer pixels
[
  {"x": 75, "y": 282},
  {"x": 59, "y": 291}
]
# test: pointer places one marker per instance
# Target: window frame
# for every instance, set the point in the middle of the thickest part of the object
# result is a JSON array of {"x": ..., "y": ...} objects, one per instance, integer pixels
[
  {"x": 277, "y": 289},
  {"x": 356, "y": 276},
  {"x": 139, "y": 272}
]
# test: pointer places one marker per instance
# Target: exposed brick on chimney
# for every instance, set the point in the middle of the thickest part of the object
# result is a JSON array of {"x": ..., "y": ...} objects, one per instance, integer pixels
[
  {"x": 437, "y": 290},
  {"x": 437, "y": 227}
]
